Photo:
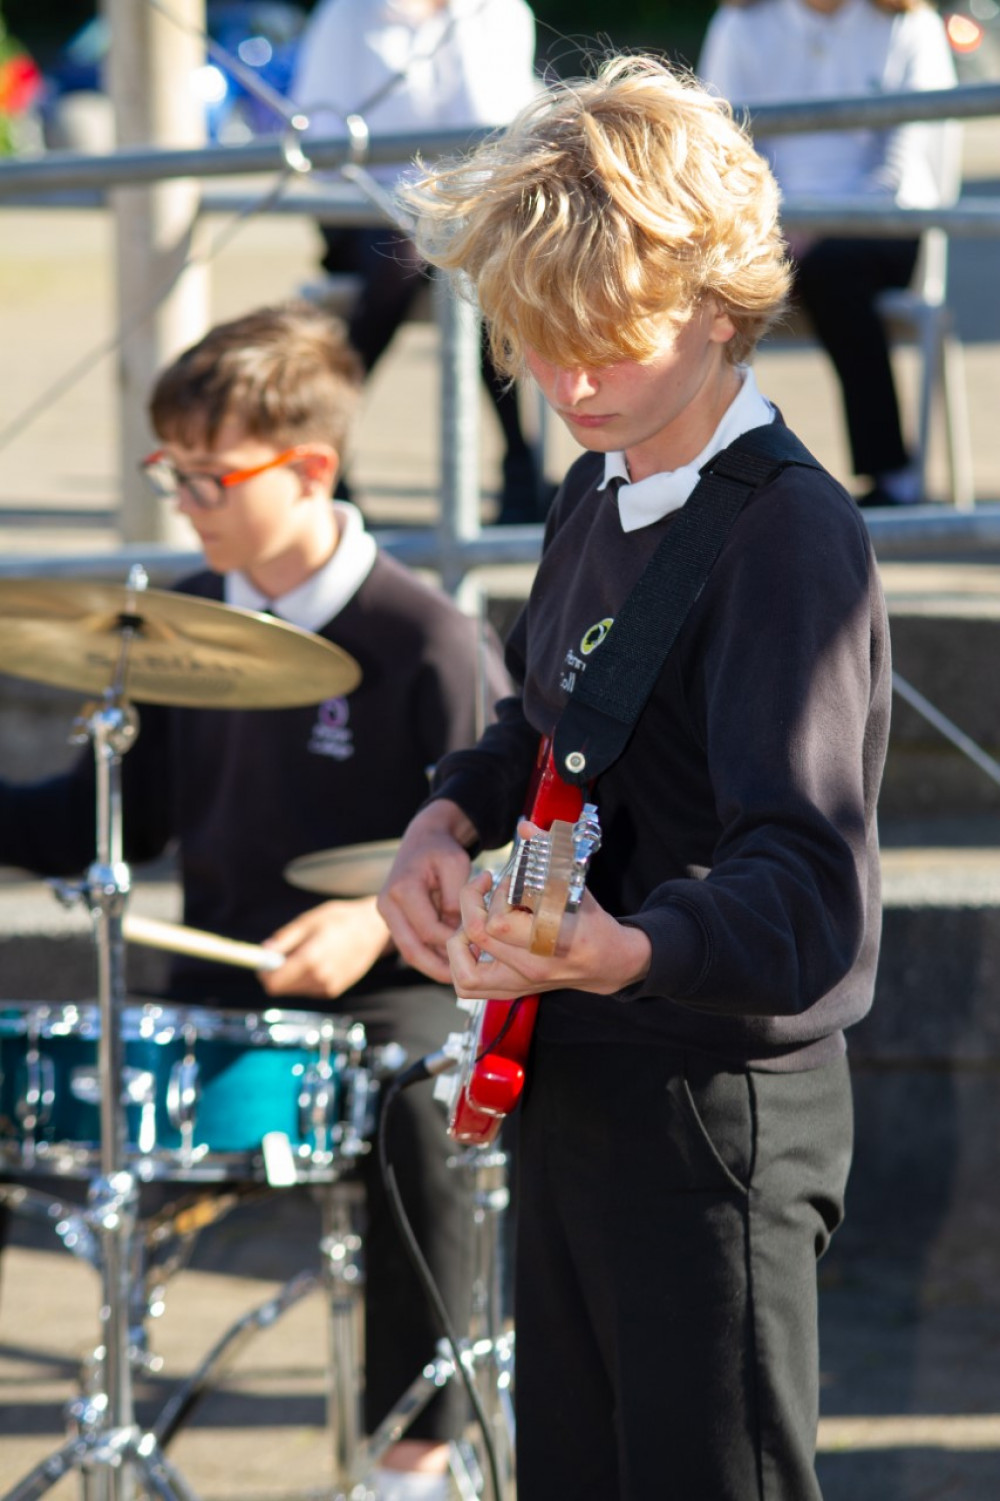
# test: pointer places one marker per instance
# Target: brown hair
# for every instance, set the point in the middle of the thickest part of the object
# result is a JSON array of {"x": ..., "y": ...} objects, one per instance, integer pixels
[
  {"x": 285, "y": 374},
  {"x": 608, "y": 205}
]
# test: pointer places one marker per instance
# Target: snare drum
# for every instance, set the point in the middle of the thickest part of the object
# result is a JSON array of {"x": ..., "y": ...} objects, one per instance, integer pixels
[{"x": 208, "y": 1095}]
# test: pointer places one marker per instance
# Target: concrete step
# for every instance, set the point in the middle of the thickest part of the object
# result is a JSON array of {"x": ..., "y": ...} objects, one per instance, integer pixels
[
  {"x": 945, "y": 625},
  {"x": 938, "y": 972}
]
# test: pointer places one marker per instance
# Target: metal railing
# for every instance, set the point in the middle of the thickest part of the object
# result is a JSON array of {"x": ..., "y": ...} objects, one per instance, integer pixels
[
  {"x": 62, "y": 170},
  {"x": 458, "y": 545}
]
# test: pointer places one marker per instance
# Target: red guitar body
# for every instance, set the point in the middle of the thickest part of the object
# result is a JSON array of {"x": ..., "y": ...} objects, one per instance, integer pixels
[{"x": 505, "y": 1028}]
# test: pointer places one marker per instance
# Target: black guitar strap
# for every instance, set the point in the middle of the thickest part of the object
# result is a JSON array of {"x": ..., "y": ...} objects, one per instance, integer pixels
[{"x": 608, "y": 698}]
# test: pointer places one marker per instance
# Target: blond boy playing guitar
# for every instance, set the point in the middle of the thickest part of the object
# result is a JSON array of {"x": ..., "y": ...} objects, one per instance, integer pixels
[{"x": 685, "y": 1132}]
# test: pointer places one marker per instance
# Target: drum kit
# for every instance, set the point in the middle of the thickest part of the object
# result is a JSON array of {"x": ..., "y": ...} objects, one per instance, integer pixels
[{"x": 119, "y": 1094}]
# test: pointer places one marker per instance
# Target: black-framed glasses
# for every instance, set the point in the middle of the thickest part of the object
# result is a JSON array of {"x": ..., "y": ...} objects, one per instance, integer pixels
[{"x": 208, "y": 491}]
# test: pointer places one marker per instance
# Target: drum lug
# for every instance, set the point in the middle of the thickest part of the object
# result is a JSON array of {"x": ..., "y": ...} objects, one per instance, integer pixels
[
  {"x": 317, "y": 1105},
  {"x": 361, "y": 1088},
  {"x": 38, "y": 1093},
  {"x": 138, "y": 1086},
  {"x": 183, "y": 1094}
]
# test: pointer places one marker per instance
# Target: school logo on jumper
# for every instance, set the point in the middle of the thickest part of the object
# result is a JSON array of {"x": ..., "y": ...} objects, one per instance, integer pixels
[
  {"x": 575, "y": 661},
  {"x": 332, "y": 734},
  {"x": 593, "y": 637}
]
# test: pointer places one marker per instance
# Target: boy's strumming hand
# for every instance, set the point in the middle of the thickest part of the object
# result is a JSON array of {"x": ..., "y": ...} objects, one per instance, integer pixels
[
  {"x": 328, "y": 949},
  {"x": 490, "y": 957},
  {"x": 420, "y": 899}
]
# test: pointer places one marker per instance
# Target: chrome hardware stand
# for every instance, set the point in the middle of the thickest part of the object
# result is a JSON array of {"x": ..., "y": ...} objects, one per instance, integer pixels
[
  {"x": 492, "y": 1347},
  {"x": 487, "y": 1354},
  {"x": 341, "y": 1278},
  {"x": 110, "y": 1450},
  {"x": 342, "y": 1210}
]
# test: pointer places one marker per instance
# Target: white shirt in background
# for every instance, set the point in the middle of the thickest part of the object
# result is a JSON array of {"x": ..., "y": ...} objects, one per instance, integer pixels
[
  {"x": 774, "y": 51},
  {"x": 405, "y": 71}
]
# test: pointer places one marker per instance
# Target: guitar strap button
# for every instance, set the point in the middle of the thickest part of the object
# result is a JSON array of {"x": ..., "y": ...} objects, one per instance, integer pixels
[{"x": 575, "y": 762}]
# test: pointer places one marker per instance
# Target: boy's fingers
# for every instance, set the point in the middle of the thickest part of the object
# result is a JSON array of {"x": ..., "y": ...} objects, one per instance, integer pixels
[{"x": 417, "y": 951}]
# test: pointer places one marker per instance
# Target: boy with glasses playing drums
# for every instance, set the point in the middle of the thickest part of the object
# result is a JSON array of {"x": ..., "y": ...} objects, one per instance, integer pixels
[
  {"x": 685, "y": 1131},
  {"x": 253, "y": 422}
]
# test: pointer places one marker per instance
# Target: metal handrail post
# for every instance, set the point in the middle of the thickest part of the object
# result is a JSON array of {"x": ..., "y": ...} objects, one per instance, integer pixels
[{"x": 458, "y": 322}]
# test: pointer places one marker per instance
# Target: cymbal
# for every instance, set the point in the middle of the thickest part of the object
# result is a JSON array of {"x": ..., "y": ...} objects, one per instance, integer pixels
[
  {"x": 354, "y": 870},
  {"x": 361, "y": 869},
  {"x": 186, "y": 651}
]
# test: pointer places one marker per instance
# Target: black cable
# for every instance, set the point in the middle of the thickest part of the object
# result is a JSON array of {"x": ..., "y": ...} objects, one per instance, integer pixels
[
  {"x": 416, "y": 1074},
  {"x": 508, "y": 1022}
]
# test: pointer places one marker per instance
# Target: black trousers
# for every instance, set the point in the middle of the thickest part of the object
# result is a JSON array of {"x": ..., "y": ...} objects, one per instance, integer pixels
[
  {"x": 392, "y": 273},
  {"x": 838, "y": 282},
  {"x": 671, "y": 1213}
]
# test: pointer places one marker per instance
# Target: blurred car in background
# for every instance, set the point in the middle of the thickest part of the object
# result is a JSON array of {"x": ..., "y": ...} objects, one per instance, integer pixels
[
  {"x": 973, "y": 28},
  {"x": 76, "y": 113},
  {"x": 21, "y": 89}
]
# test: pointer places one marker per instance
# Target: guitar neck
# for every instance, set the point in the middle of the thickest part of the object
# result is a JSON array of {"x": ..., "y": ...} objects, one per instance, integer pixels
[{"x": 551, "y": 797}]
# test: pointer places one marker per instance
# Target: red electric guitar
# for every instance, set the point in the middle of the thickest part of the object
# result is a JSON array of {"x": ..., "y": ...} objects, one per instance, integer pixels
[{"x": 546, "y": 876}]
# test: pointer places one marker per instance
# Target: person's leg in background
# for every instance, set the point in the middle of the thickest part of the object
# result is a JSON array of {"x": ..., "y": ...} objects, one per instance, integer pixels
[
  {"x": 525, "y": 495},
  {"x": 391, "y": 274},
  {"x": 838, "y": 282}
]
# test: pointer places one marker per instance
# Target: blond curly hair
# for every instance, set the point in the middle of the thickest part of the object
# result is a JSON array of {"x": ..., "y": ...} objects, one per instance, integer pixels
[{"x": 609, "y": 205}]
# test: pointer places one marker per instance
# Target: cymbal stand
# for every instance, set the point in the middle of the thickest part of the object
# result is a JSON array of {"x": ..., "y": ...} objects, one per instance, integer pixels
[{"x": 110, "y": 1450}]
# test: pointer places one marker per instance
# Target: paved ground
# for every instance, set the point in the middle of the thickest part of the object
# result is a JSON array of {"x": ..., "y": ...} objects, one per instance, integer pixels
[{"x": 910, "y": 1313}]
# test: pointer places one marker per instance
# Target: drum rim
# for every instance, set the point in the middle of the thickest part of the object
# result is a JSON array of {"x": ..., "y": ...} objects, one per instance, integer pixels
[{"x": 166, "y": 1020}]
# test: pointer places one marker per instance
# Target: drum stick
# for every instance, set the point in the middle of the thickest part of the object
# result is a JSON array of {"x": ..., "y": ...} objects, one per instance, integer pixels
[{"x": 179, "y": 940}]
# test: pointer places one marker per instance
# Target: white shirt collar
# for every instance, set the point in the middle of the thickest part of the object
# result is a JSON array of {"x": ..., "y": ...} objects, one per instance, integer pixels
[
  {"x": 656, "y": 496},
  {"x": 325, "y": 593}
]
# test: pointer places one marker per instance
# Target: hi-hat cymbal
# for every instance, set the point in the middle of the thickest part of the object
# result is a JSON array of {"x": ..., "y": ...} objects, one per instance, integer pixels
[
  {"x": 185, "y": 650},
  {"x": 361, "y": 869}
]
